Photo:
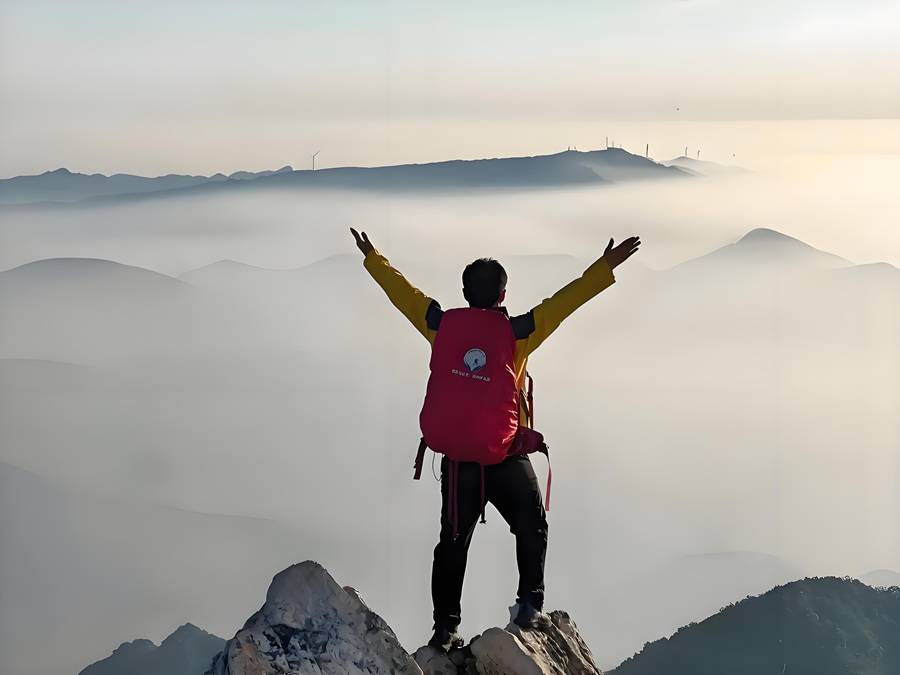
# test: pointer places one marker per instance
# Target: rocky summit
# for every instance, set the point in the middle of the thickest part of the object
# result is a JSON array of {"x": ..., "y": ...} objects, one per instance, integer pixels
[
  {"x": 310, "y": 625},
  {"x": 558, "y": 650}
]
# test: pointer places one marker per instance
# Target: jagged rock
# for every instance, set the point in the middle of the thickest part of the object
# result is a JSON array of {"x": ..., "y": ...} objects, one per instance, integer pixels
[
  {"x": 434, "y": 662},
  {"x": 309, "y": 625},
  {"x": 558, "y": 650}
]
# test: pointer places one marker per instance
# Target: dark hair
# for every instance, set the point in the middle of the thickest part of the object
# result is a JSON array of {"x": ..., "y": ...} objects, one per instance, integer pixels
[{"x": 483, "y": 280}]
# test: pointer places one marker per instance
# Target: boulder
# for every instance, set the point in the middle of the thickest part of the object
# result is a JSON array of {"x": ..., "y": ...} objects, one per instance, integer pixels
[
  {"x": 436, "y": 662},
  {"x": 309, "y": 625},
  {"x": 557, "y": 650}
]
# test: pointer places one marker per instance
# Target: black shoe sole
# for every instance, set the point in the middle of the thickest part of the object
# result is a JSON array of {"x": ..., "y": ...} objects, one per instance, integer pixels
[{"x": 458, "y": 643}]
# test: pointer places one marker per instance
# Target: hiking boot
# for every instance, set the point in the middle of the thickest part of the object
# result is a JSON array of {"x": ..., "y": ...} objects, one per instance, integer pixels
[
  {"x": 445, "y": 639},
  {"x": 529, "y": 616}
]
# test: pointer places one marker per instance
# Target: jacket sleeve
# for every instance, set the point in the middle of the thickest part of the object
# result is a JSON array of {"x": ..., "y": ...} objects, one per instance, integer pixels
[
  {"x": 412, "y": 302},
  {"x": 553, "y": 310}
]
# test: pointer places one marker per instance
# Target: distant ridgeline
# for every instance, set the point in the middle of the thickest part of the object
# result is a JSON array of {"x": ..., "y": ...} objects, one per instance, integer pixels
[
  {"x": 818, "y": 626},
  {"x": 569, "y": 168},
  {"x": 187, "y": 651}
]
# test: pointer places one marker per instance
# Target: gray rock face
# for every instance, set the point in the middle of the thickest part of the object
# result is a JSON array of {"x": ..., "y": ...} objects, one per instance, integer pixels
[
  {"x": 558, "y": 650},
  {"x": 309, "y": 625},
  {"x": 434, "y": 662}
]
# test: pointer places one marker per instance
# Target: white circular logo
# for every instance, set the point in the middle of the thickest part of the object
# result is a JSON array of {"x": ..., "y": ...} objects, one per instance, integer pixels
[{"x": 475, "y": 359}]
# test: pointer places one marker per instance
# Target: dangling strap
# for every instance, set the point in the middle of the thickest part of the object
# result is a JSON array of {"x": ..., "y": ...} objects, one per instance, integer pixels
[
  {"x": 482, "y": 494},
  {"x": 549, "y": 484},
  {"x": 420, "y": 458},
  {"x": 546, "y": 451}
]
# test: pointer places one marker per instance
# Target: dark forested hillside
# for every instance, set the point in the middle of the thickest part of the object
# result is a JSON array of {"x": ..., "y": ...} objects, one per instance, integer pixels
[
  {"x": 819, "y": 626},
  {"x": 187, "y": 651}
]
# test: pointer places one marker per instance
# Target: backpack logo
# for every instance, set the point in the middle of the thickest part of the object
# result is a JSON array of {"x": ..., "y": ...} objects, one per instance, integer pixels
[{"x": 475, "y": 359}]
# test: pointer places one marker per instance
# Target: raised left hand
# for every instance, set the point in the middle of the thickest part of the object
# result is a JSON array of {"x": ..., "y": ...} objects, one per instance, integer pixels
[{"x": 362, "y": 241}]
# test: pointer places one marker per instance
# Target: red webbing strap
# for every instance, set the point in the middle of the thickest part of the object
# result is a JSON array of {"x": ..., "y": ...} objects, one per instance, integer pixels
[
  {"x": 420, "y": 458},
  {"x": 530, "y": 400}
]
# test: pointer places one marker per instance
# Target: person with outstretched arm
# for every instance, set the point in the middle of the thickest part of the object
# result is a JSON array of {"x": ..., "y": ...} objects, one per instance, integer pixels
[{"x": 510, "y": 485}]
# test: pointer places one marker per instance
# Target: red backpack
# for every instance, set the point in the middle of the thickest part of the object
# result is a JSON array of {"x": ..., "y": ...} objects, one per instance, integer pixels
[{"x": 471, "y": 409}]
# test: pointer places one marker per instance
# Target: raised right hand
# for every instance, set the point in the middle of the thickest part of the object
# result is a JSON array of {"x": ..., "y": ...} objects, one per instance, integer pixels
[{"x": 615, "y": 256}]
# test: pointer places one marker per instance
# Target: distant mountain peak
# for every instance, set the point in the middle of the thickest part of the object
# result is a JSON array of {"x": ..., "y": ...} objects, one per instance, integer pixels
[
  {"x": 764, "y": 245},
  {"x": 70, "y": 273},
  {"x": 188, "y": 629},
  {"x": 814, "y": 625},
  {"x": 883, "y": 570},
  {"x": 703, "y": 167},
  {"x": 761, "y": 234},
  {"x": 76, "y": 263},
  {"x": 187, "y": 632},
  {"x": 187, "y": 651},
  {"x": 690, "y": 160},
  {"x": 780, "y": 242},
  {"x": 139, "y": 646},
  {"x": 877, "y": 268}
]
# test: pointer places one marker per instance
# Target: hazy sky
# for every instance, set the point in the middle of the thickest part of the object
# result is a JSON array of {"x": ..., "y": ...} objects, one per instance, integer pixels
[
  {"x": 738, "y": 408},
  {"x": 202, "y": 87}
]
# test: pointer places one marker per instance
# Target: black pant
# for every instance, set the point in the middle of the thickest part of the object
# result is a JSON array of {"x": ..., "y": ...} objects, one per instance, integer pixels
[{"x": 512, "y": 488}]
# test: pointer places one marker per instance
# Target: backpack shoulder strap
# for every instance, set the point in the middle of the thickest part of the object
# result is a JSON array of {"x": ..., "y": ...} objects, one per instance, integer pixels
[
  {"x": 523, "y": 325},
  {"x": 526, "y": 398},
  {"x": 530, "y": 397}
]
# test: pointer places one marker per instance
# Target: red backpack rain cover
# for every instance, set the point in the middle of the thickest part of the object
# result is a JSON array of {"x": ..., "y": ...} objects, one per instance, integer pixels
[{"x": 471, "y": 409}]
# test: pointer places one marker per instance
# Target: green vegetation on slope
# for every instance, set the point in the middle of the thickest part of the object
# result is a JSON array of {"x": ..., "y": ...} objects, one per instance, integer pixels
[{"x": 817, "y": 626}]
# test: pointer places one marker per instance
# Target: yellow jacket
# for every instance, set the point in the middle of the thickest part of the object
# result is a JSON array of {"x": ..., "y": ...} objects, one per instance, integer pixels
[{"x": 531, "y": 328}]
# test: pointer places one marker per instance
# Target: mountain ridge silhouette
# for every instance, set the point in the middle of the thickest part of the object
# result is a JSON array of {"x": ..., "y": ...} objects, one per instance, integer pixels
[
  {"x": 814, "y": 626},
  {"x": 569, "y": 168}
]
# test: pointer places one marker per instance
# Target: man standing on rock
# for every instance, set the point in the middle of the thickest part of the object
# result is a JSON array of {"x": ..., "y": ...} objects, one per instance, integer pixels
[{"x": 508, "y": 482}]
